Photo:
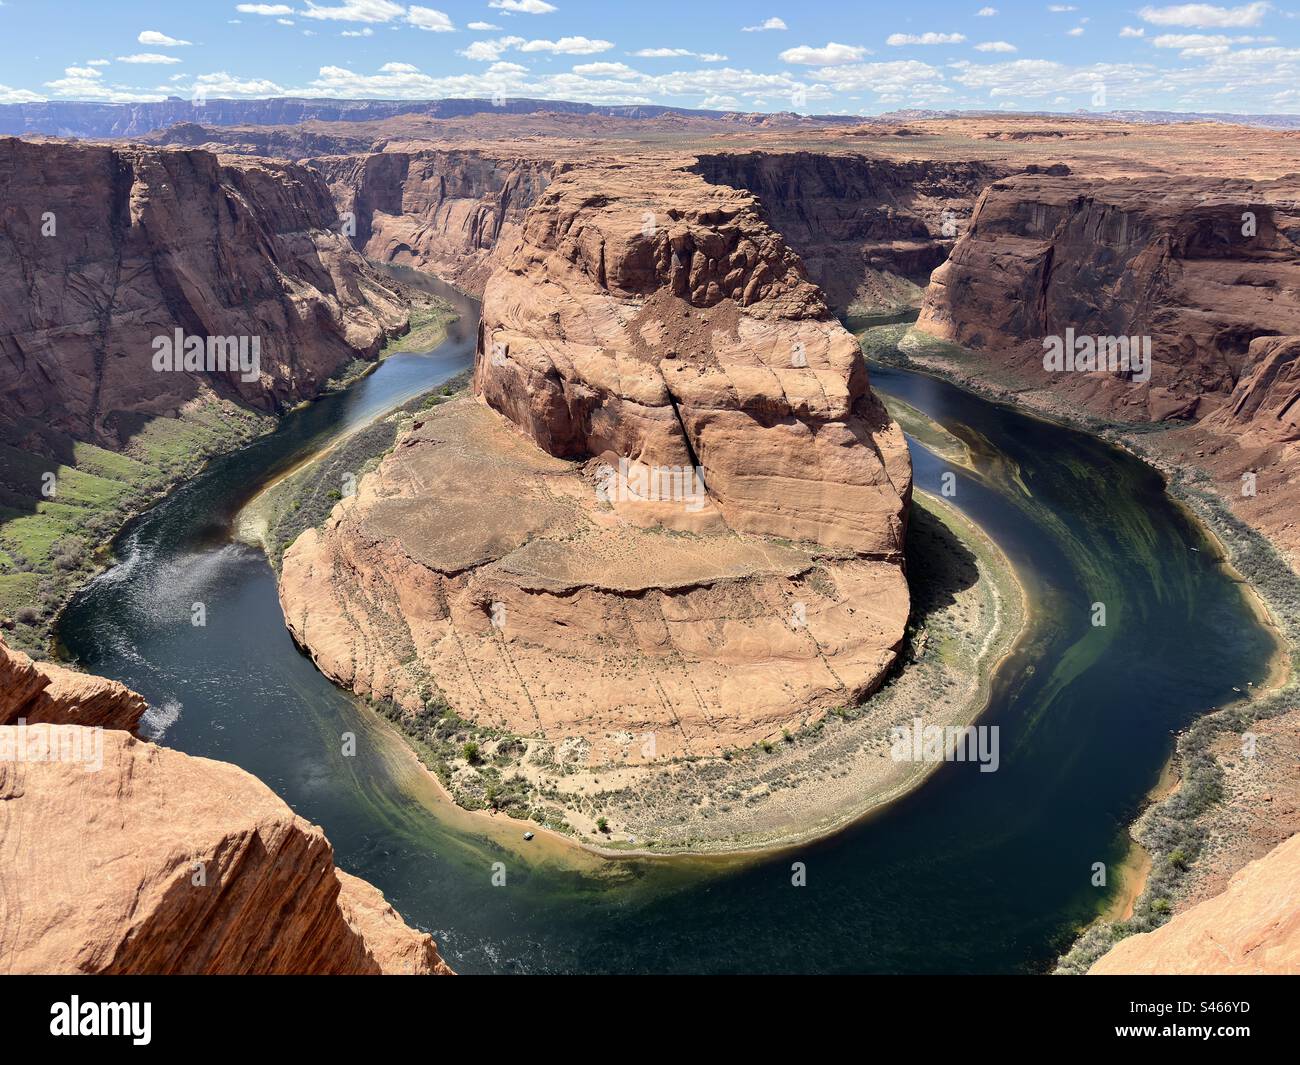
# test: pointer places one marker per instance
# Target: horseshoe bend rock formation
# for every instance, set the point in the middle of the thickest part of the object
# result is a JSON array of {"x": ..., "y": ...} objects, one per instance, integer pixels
[
  {"x": 118, "y": 856},
  {"x": 676, "y": 509},
  {"x": 1252, "y": 928},
  {"x": 1202, "y": 266},
  {"x": 115, "y": 246}
]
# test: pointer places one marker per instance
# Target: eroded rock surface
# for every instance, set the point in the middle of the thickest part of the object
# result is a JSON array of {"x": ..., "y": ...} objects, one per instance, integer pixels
[
  {"x": 113, "y": 247},
  {"x": 162, "y": 863},
  {"x": 1253, "y": 928},
  {"x": 1202, "y": 266},
  {"x": 444, "y": 211},
  {"x": 508, "y": 555},
  {"x": 42, "y": 692}
]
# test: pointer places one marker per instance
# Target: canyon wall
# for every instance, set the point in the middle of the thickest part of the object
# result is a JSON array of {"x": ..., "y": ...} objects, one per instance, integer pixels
[
  {"x": 118, "y": 856},
  {"x": 1203, "y": 267},
  {"x": 105, "y": 249},
  {"x": 859, "y": 223},
  {"x": 440, "y": 211},
  {"x": 1252, "y": 928},
  {"x": 676, "y": 511}
]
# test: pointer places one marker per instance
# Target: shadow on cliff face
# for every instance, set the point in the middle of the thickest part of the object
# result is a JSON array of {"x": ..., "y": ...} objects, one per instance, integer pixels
[
  {"x": 860, "y": 224},
  {"x": 939, "y": 565}
]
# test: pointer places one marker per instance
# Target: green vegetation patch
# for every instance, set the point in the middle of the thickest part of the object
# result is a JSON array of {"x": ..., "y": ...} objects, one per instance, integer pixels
[{"x": 62, "y": 500}]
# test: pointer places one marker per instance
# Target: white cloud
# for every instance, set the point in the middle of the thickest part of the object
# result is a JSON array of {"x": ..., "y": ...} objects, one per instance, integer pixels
[
  {"x": 1058, "y": 8},
  {"x": 675, "y": 53},
  {"x": 986, "y": 12},
  {"x": 1132, "y": 31},
  {"x": 897, "y": 40},
  {"x": 720, "y": 103},
  {"x": 399, "y": 68},
  {"x": 160, "y": 40},
  {"x": 147, "y": 57},
  {"x": 602, "y": 69},
  {"x": 365, "y": 32},
  {"x": 767, "y": 24},
  {"x": 1076, "y": 32},
  {"x": 285, "y": 21},
  {"x": 491, "y": 50},
  {"x": 831, "y": 54},
  {"x": 488, "y": 51},
  {"x": 426, "y": 18},
  {"x": 355, "y": 11},
  {"x": 97, "y": 63},
  {"x": 483, "y": 26},
  {"x": 995, "y": 46},
  {"x": 1194, "y": 45},
  {"x": 223, "y": 84},
  {"x": 18, "y": 96},
  {"x": 525, "y": 7},
  {"x": 264, "y": 9},
  {"x": 86, "y": 83},
  {"x": 568, "y": 46},
  {"x": 1201, "y": 16}
]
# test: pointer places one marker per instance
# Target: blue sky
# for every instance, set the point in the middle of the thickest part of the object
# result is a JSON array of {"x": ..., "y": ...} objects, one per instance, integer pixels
[{"x": 813, "y": 56}]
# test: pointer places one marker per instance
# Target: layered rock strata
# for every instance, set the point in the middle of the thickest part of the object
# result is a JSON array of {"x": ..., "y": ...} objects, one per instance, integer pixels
[
  {"x": 160, "y": 863},
  {"x": 38, "y": 692},
  {"x": 113, "y": 248},
  {"x": 1202, "y": 267},
  {"x": 118, "y": 856},
  {"x": 444, "y": 211}
]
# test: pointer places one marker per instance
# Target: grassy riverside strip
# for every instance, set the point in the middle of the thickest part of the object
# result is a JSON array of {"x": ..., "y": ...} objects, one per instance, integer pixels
[
  {"x": 1172, "y": 830},
  {"x": 49, "y": 547}
]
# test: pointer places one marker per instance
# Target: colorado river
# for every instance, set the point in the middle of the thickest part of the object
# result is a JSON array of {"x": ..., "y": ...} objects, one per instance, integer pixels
[{"x": 973, "y": 872}]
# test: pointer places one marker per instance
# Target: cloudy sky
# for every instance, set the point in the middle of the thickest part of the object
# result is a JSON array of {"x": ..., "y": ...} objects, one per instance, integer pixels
[{"x": 814, "y": 56}]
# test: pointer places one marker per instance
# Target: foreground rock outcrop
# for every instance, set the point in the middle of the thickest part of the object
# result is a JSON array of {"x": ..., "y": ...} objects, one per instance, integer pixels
[
  {"x": 677, "y": 513},
  {"x": 1253, "y": 928},
  {"x": 118, "y": 856},
  {"x": 114, "y": 247},
  {"x": 39, "y": 692},
  {"x": 166, "y": 864}
]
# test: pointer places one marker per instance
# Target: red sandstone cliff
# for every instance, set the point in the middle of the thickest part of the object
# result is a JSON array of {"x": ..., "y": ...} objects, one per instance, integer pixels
[
  {"x": 112, "y": 247},
  {"x": 1202, "y": 266},
  {"x": 443, "y": 211},
  {"x": 857, "y": 222},
  {"x": 41, "y": 692},
  {"x": 652, "y": 321}
]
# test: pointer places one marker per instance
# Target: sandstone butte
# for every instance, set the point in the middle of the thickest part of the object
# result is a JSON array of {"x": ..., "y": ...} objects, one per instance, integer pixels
[
  {"x": 499, "y": 557},
  {"x": 1252, "y": 928},
  {"x": 158, "y": 862}
]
